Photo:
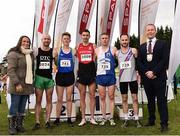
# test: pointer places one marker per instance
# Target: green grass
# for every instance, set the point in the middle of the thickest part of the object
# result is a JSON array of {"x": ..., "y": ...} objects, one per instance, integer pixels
[{"x": 64, "y": 129}]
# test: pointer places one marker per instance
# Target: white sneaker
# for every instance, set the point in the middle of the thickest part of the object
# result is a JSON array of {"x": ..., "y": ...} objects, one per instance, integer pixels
[
  {"x": 102, "y": 122},
  {"x": 92, "y": 121},
  {"x": 82, "y": 123},
  {"x": 112, "y": 123}
]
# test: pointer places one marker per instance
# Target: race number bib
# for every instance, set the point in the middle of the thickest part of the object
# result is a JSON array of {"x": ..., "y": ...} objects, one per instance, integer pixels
[
  {"x": 105, "y": 66},
  {"x": 44, "y": 65},
  {"x": 65, "y": 63},
  {"x": 125, "y": 65},
  {"x": 86, "y": 57}
]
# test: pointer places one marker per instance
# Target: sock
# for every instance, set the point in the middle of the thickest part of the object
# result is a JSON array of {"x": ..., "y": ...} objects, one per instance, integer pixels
[
  {"x": 136, "y": 117},
  {"x": 57, "y": 119},
  {"x": 69, "y": 119},
  {"x": 125, "y": 116}
]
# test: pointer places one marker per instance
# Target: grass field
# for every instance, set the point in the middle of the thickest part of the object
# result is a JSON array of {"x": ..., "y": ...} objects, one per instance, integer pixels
[{"x": 64, "y": 129}]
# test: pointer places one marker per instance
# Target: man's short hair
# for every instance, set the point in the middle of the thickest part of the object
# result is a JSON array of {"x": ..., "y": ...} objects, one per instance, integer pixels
[
  {"x": 104, "y": 34},
  {"x": 86, "y": 30},
  {"x": 124, "y": 34},
  {"x": 151, "y": 25},
  {"x": 66, "y": 34}
]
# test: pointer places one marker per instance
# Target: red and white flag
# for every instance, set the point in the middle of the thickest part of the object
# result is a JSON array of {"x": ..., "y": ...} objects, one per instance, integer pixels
[
  {"x": 148, "y": 11},
  {"x": 174, "y": 61},
  {"x": 125, "y": 12},
  {"x": 85, "y": 12},
  {"x": 107, "y": 11},
  {"x": 63, "y": 13},
  {"x": 44, "y": 10}
]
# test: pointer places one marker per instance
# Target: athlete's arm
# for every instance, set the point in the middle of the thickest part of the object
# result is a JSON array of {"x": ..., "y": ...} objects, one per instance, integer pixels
[
  {"x": 95, "y": 47},
  {"x": 35, "y": 51},
  {"x": 55, "y": 52},
  {"x": 114, "y": 50},
  {"x": 134, "y": 51}
]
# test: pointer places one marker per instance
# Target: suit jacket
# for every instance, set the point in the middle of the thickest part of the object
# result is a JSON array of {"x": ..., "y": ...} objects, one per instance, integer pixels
[{"x": 159, "y": 62}]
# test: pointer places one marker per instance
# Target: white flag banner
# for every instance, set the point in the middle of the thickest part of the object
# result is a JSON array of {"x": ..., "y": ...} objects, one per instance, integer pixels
[
  {"x": 63, "y": 13},
  {"x": 85, "y": 12},
  {"x": 44, "y": 10},
  {"x": 107, "y": 12},
  {"x": 174, "y": 60},
  {"x": 125, "y": 10},
  {"x": 148, "y": 11}
]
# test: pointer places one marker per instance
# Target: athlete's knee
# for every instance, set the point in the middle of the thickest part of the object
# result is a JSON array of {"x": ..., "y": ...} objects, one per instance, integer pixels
[
  {"x": 135, "y": 100},
  {"x": 91, "y": 95},
  {"x": 124, "y": 100}
]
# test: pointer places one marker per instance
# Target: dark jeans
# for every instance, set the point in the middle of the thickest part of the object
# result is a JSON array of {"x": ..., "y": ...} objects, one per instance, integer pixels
[{"x": 18, "y": 104}]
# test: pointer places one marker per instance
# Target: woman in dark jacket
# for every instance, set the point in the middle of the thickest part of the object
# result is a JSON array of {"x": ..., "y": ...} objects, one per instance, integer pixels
[{"x": 20, "y": 72}]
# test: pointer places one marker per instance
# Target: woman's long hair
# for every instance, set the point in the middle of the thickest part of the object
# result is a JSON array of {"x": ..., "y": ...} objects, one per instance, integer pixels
[{"x": 17, "y": 48}]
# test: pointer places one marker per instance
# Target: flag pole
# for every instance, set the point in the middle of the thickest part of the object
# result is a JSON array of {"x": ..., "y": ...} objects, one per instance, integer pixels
[
  {"x": 139, "y": 22},
  {"x": 175, "y": 6},
  {"x": 175, "y": 79},
  {"x": 54, "y": 30},
  {"x": 34, "y": 24},
  {"x": 96, "y": 33}
]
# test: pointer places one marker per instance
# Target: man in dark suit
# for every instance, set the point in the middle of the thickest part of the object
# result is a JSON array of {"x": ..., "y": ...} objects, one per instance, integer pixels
[{"x": 152, "y": 64}]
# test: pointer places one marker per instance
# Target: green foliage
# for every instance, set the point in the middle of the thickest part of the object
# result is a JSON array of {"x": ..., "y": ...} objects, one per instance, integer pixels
[
  {"x": 134, "y": 42},
  {"x": 117, "y": 44}
]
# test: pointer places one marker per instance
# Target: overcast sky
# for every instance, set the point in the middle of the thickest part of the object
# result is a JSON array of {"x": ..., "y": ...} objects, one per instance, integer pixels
[{"x": 17, "y": 19}]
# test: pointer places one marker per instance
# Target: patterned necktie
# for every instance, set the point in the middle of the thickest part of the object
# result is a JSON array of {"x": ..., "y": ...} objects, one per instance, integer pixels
[{"x": 150, "y": 47}]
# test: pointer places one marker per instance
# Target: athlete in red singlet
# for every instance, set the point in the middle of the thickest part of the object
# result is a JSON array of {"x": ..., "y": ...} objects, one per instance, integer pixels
[{"x": 86, "y": 75}]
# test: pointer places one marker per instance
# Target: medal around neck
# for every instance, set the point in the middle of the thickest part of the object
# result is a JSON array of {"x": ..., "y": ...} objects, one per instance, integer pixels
[{"x": 149, "y": 57}]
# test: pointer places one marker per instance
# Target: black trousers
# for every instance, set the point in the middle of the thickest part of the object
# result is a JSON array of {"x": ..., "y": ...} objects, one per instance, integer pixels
[{"x": 156, "y": 89}]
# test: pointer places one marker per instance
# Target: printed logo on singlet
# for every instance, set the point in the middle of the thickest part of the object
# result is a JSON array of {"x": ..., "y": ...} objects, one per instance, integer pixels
[
  {"x": 125, "y": 65},
  {"x": 65, "y": 63},
  {"x": 44, "y": 62},
  {"x": 86, "y": 57}
]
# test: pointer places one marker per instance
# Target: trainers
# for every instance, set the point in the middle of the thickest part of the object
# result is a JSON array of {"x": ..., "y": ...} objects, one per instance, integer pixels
[
  {"x": 125, "y": 124},
  {"x": 47, "y": 125},
  {"x": 112, "y": 123},
  {"x": 82, "y": 123},
  {"x": 138, "y": 124},
  {"x": 102, "y": 122},
  {"x": 36, "y": 126},
  {"x": 57, "y": 122},
  {"x": 70, "y": 123},
  {"x": 93, "y": 122}
]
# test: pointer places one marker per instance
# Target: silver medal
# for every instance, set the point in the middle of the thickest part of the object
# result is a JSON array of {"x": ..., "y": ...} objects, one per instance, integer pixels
[{"x": 149, "y": 57}]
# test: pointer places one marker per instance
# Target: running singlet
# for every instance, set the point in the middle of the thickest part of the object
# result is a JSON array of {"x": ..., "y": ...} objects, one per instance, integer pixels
[
  {"x": 85, "y": 53},
  {"x": 44, "y": 63},
  {"x": 105, "y": 63},
  {"x": 65, "y": 62},
  {"x": 128, "y": 66}
]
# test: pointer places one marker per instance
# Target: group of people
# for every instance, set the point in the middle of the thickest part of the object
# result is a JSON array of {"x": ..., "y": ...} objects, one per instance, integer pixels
[{"x": 96, "y": 66}]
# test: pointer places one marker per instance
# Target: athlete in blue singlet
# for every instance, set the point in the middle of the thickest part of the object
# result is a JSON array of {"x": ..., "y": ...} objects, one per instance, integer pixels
[
  {"x": 64, "y": 77},
  {"x": 106, "y": 76}
]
